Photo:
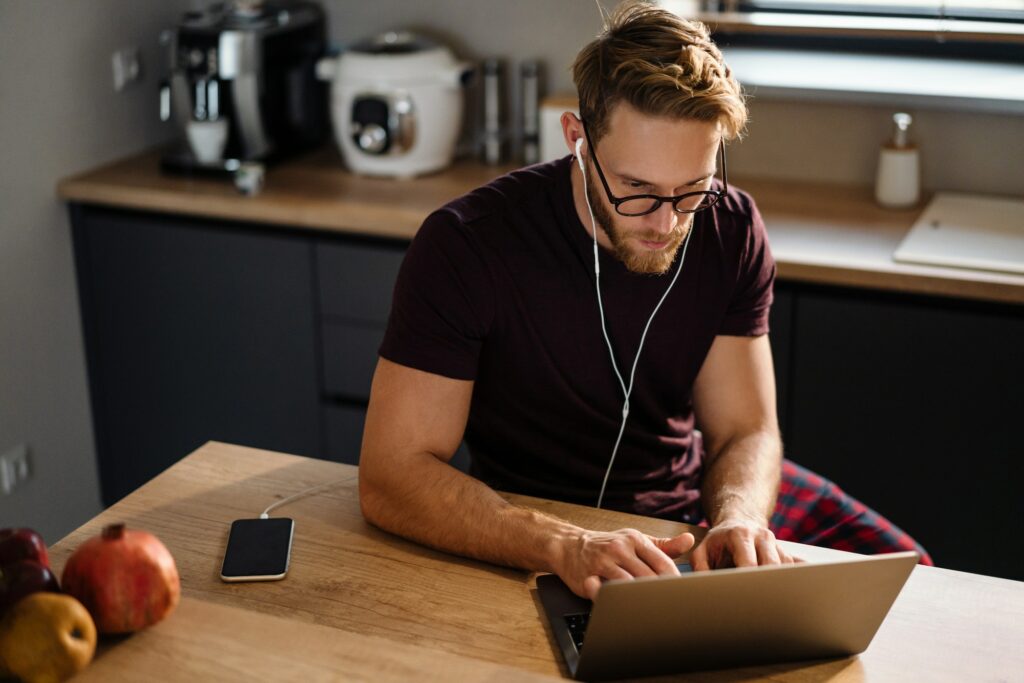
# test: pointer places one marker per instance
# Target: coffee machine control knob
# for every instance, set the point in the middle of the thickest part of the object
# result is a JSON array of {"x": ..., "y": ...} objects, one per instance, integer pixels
[{"x": 372, "y": 139}]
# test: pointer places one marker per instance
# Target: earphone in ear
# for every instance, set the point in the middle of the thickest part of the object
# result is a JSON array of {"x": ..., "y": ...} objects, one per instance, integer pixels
[{"x": 579, "y": 157}]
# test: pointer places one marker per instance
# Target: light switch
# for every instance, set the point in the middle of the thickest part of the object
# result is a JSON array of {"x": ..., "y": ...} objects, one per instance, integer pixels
[
  {"x": 126, "y": 67},
  {"x": 14, "y": 468}
]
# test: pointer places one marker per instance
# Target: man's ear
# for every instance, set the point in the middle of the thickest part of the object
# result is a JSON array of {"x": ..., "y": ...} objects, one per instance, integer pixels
[{"x": 572, "y": 131}]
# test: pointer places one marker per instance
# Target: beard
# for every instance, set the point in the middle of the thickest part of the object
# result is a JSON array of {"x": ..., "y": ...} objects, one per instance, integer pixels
[{"x": 636, "y": 257}]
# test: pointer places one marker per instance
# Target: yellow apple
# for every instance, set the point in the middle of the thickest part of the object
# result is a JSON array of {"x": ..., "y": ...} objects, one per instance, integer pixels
[{"x": 46, "y": 638}]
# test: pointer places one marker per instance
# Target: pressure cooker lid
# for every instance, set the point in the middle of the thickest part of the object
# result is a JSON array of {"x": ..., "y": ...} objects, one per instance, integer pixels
[{"x": 395, "y": 43}]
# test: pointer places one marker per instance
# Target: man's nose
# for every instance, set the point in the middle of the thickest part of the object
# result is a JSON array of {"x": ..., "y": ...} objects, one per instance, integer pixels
[{"x": 664, "y": 219}]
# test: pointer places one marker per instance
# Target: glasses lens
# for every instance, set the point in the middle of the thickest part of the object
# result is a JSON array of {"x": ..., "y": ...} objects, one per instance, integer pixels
[
  {"x": 698, "y": 201},
  {"x": 638, "y": 206}
]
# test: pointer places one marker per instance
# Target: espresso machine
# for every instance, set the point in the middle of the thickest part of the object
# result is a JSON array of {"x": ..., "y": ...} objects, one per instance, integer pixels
[{"x": 241, "y": 84}]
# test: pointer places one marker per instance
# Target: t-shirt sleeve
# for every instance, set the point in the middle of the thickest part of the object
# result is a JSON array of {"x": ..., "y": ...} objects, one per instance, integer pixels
[
  {"x": 747, "y": 314},
  {"x": 442, "y": 304}
]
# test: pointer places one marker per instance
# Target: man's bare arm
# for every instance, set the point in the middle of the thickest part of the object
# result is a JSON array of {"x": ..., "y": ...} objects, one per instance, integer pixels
[
  {"x": 414, "y": 425},
  {"x": 734, "y": 398}
]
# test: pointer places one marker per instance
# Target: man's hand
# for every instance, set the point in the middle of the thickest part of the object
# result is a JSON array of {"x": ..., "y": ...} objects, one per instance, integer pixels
[
  {"x": 590, "y": 557},
  {"x": 738, "y": 543}
]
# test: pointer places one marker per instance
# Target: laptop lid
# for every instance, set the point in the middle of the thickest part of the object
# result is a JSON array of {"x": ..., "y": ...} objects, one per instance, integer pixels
[{"x": 728, "y": 617}]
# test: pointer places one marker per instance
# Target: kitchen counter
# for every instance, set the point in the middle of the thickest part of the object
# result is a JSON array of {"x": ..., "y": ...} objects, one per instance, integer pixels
[{"x": 819, "y": 233}]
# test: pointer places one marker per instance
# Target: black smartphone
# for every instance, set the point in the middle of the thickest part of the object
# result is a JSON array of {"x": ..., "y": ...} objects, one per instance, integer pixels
[{"x": 258, "y": 549}]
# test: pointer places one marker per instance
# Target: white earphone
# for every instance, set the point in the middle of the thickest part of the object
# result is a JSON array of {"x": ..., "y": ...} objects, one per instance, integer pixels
[{"x": 626, "y": 390}]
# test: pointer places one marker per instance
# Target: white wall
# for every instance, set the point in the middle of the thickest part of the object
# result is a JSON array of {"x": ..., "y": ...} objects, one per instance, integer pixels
[{"x": 59, "y": 115}]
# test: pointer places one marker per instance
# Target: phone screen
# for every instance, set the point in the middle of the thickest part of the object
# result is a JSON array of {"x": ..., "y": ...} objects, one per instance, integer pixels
[{"x": 258, "y": 549}]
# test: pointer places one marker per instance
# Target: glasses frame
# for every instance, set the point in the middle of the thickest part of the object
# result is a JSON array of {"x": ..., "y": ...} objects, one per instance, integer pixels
[{"x": 618, "y": 201}]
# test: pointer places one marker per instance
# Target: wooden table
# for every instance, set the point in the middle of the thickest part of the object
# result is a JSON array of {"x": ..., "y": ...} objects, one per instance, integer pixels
[{"x": 360, "y": 604}]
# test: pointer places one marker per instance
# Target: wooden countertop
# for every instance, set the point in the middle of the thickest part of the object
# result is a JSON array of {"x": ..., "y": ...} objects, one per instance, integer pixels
[
  {"x": 825, "y": 234},
  {"x": 361, "y": 604}
]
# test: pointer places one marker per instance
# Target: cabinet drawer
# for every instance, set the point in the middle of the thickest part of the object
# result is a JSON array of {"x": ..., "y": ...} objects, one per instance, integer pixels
[
  {"x": 356, "y": 280},
  {"x": 344, "y": 426},
  {"x": 350, "y": 356}
]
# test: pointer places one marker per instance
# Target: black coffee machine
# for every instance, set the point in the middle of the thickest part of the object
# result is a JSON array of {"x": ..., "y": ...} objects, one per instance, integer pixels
[{"x": 242, "y": 84}]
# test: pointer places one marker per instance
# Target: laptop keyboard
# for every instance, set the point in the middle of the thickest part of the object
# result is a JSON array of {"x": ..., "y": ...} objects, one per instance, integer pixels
[{"x": 577, "y": 624}]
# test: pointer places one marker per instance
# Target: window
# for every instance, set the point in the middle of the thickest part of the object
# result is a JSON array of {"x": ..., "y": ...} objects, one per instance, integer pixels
[
  {"x": 971, "y": 10},
  {"x": 985, "y": 29}
]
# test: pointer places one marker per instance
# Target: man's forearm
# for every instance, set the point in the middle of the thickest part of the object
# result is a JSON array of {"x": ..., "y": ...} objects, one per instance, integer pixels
[
  {"x": 432, "y": 503},
  {"x": 742, "y": 479}
]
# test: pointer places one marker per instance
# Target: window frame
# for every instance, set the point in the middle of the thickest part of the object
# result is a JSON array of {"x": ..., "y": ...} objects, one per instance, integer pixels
[{"x": 892, "y": 33}]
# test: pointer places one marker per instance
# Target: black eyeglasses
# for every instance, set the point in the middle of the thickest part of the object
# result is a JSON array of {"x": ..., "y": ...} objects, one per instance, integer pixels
[{"x": 643, "y": 204}]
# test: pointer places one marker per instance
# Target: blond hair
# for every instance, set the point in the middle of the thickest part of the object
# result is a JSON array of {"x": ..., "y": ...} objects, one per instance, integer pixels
[{"x": 662, "y": 65}]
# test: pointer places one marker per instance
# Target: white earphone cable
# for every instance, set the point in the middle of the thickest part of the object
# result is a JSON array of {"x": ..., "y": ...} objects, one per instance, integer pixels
[{"x": 627, "y": 390}]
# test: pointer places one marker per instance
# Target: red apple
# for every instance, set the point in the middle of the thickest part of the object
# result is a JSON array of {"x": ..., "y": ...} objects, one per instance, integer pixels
[
  {"x": 22, "y": 544},
  {"x": 24, "y": 578}
]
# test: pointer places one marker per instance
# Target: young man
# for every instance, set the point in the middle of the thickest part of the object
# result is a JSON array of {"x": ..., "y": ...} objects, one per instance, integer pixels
[{"x": 575, "y": 320}]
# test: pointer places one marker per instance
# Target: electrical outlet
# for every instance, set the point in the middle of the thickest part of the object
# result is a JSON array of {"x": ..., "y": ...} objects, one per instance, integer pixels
[
  {"x": 14, "y": 468},
  {"x": 126, "y": 67}
]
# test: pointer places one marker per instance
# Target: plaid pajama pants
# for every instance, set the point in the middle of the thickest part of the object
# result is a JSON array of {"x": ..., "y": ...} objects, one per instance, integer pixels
[{"x": 813, "y": 510}]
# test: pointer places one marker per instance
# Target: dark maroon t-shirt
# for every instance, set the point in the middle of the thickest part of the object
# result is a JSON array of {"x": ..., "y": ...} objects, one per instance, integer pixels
[{"x": 498, "y": 287}]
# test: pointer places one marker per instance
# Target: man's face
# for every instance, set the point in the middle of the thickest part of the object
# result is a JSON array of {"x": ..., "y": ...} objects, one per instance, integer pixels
[{"x": 642, "y": 154}]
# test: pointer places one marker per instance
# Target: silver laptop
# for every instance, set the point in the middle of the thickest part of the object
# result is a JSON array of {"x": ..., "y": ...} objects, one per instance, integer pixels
[{"x": 724, "y": 618}]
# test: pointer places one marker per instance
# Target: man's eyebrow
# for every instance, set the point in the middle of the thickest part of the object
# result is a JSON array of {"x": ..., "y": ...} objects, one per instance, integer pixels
[{"x": 639, "y": 181}]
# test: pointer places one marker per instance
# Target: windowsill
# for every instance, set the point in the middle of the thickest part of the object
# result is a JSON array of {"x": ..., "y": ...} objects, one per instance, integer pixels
[{"x": 924, "y": 82}]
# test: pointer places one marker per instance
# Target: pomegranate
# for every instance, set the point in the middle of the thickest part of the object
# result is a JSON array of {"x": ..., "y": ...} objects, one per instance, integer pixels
[{"x": 126, "y": 578}]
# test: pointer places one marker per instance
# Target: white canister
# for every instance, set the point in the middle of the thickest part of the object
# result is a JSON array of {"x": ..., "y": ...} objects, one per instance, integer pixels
[{"x": 898, "y": 181}]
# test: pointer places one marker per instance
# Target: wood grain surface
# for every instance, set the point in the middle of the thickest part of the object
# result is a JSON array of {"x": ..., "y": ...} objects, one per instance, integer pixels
[
  {"x": 350, "y": 579},
  {"x": 819, "y": 233},
  {"x": 210, "y": 642}
]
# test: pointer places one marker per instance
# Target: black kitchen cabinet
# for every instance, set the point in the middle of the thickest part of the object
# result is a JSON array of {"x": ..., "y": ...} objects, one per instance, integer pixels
[
  {"x": 780, "y": 335},
  {"x": 355, "y": 277},
  {"x": 913, "y": 405},
  {"x": 194, "y": 331}
]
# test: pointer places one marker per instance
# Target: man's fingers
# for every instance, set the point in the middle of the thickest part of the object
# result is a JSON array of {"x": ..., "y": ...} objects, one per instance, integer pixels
[
  {"x": 767, "y": 551},
  {"x": 675, "y": 546},
  {"x": 592, "y": 584},
  {"x": 699, "y": 558},
  {"x": 639, "y": 565},
  {"x": 656, "y": 558},
  {"x": 742, "y": 551}
]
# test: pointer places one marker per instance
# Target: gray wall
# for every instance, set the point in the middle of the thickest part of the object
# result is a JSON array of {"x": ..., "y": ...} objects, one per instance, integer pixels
[
  {"x": 59, "y": 114},
  {"x": 833, "y": 143},
  {"x": 790, "y": 140}
]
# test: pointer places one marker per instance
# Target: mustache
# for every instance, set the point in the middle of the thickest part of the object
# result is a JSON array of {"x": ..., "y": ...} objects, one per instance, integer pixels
[{"x": 674, "y": 236}]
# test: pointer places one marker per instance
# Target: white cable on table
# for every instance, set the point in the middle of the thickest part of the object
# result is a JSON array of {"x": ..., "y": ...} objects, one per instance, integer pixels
[{"x": 301, "y": 494}]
